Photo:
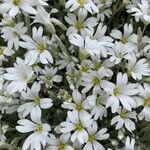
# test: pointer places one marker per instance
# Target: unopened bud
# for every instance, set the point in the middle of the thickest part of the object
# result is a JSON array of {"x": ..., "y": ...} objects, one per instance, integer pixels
[
  {"x": 114, "y": 142},
  {"x": 120, "y": 135}
]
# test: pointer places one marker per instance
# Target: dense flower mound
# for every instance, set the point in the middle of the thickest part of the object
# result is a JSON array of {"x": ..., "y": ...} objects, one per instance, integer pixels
[{"x": 74, "y": 74}]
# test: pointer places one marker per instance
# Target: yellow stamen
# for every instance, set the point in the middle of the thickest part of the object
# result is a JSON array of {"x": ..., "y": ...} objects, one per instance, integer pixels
[
  {"x": 85, "y": 68},
  {"x": 92, "y": 138},
  {"x": 79, "y": 107},
  {"x": 123, "y": 115},
  {"x": 79, "y": 25},
  {"x": 39, "y": 128},
  {"x": 37, "y": 100},
  {"x": 81, "y": 2},
  {"x": 79, "y": 127},
  {"x": 147, "y": 102},
  {"x": 117, "y": 91},
  {"x": 16, "y": 2},
  {"x": 96, "y": 81},
  {"x": 61, "y": 146},
  {"x": 41, "y": 47},
  {"x": 124, "y": 39}
]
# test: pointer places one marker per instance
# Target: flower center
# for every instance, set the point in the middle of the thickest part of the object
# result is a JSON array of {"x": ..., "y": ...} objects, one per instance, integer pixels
[
  {"x": 79, "y": 107},
  {"x": 124, "y": 39},
  {"x": 37, "y": 100},
  {"x": 62, "y": 93},
  {"x": 25, "y": 77},
  {"x": 79, "y": 127},
  {"x": 39, "y": 128},
  {"x": 41, "y": 47},
  {"x": 83, "y": 54},
  {"x": 61, "y": 146},
  {"x": 1, "y": 51},
  {"x": 72, "y": 76},
  {"x": 79, "y": 25},
  {"x": 85, "y": 68},
  {"x": 16, "y": 2},
  {"x": 49, "y": 77},
  {"x": 97, "y": 66},
  {"x": 123, "y": 115},
  {"x": 147, "y": 102},
  {"x": 15, "y": 34},
  {"x": 117, "y": 91},
  {"x": 96, "y": 81},
  {"x": 81, "y": 2},
  {"x": 92, "y": 138}
]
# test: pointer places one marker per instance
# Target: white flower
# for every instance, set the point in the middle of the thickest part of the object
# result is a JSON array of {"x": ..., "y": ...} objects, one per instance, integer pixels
[
  {"x": 94, "y": 79},
  {"x": 138, "y": 69},
  {"x": 124, "y": 118},
  {"x": 8, "y": 102},
  {"x": 104, "y": 2},
  {"x": 95, "y": 64},
  {"x": 5, "y": 101},
  {"x": 82, "y": 4},
  {"x": 73, "y": 78},
  {"x": 5, "y": 51},
  {"x": 103, "y": 40},
  {"x": 7, "y": 20},
  {"x": 77, "y": 123},
  {"x": 120, "y": 51},
  {"x": 121, "y": 91},
  {"x": 34, "y": 102},
  {"x": 85, "y": 66},
  {"x": 100, "y": 34},
  {"x": 79, "y": 104},
  {"x": 127, "y": 36},
  {"x": 97, "y": 101},
  {"x": 39, "y": 137},
  {"x": 94, "y": 137},
  {"x": 37, "y": 47},
  {"x": 140, "y": 9},
  {"x": 104, "y": 9},
  {"x": 146, "y": 44},
  {"x": 49, "y": 76},
  {"x": 2, "y": 70},
  {"x": 43, "y": 17},
  {"x": 106, "y": 64},
  {"x": 144, "y": 101},
  {"x": 19, "y": 75},
  {"x": 59, "y": 143},
  {"x": 79, "y": 24},
  {"x": 106, "y": 12},
  {"x": 12, "y": 34},
  {"x": 87, "y": 44},
  {"x": 129, "y": 143},
  {"x": 3, "y": 130},
  {"x": 39, "y": 2},
  {"x": 66, "y": 61},
  {"x": 14, "y": 6}
]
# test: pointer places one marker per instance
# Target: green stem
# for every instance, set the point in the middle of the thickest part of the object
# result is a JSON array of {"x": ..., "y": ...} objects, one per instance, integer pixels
[
  {"x": 116, "y": 10},
  {"x": 144, "y": 29}
]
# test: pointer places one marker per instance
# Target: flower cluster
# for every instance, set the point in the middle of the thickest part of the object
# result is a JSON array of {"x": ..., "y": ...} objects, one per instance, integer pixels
[{"x": 74, "y": 74}]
